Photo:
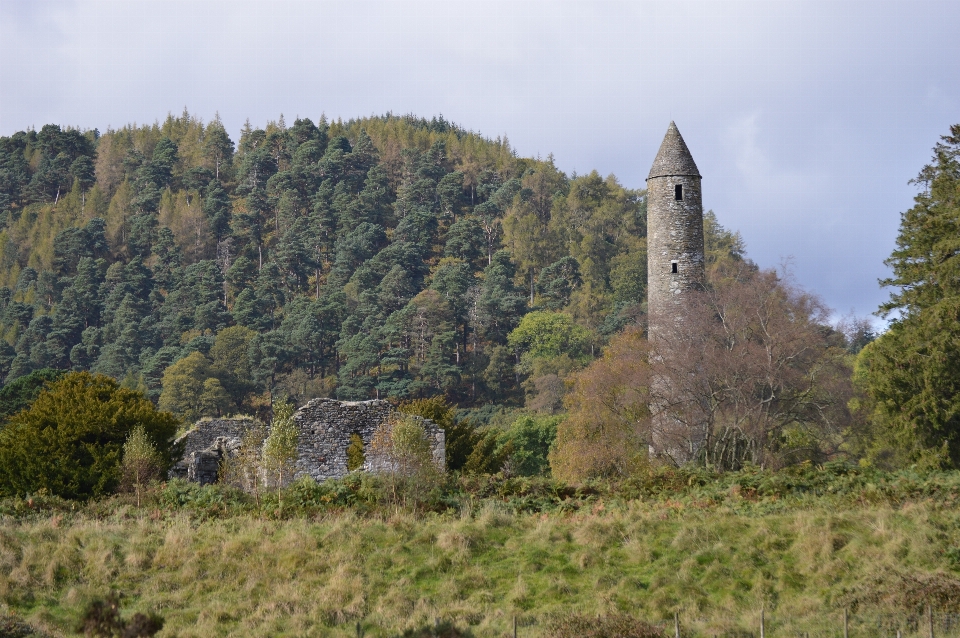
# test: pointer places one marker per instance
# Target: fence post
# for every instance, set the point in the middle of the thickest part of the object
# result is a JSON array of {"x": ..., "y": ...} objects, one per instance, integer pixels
[
  {"x": 846, "y": 626},
  {"x": 514, "y": 627},
  {"x": 676, "y": 624},
  {"x": 930, "y": 619},
  {"x": 762, "y": 630}
]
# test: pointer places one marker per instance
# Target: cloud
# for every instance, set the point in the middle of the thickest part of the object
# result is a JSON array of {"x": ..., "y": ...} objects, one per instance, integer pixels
[{"x": 807, "y": 117}]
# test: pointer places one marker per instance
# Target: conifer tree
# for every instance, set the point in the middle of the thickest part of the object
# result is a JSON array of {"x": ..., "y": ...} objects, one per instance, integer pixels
[{"x": 912, "y": 372}]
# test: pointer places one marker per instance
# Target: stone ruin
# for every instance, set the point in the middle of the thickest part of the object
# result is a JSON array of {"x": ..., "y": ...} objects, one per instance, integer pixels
[{"x": 324, "y": 427}]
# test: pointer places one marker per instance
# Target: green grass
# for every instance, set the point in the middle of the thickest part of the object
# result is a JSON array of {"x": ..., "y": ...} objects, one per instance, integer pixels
[{"x": 803, "y": 546}]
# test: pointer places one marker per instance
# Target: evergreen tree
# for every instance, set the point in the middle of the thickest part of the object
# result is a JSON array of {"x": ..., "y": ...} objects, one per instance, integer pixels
[
  {"x": 70, "y": 440},
  {"x": 218, "y": 149},
  {"x": 230, "y": 361},
  {"x": 912, "y": 371},
  {"x": 501, "y": 303},
  {"x": 217, "y": 209},
  {"x": 20, "y": 394}
]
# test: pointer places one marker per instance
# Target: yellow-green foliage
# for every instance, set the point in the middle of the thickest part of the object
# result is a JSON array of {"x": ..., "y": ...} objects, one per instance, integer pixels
[
  {"x": 280, "y": 446},
  {"x": 191, "y": 391},
  {"x": 468, "y": 152},
  {"x": 717, "y": 564}
]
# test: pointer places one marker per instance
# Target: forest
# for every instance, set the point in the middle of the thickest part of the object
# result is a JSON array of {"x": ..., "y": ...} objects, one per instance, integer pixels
[
  {"x": 385, "y": 257},
  {"x": 410, "y": 259}
]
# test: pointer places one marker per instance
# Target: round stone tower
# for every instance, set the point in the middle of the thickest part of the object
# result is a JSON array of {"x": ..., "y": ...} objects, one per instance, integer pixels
[{"x": 674, "y": 230}]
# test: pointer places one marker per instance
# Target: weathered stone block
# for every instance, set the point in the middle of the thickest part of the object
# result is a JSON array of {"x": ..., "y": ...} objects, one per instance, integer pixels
[{"x": 324, "y": 428}]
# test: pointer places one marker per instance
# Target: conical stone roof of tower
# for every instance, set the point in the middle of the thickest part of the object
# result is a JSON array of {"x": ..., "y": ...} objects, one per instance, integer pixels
[{"x": 674, "y": 157}]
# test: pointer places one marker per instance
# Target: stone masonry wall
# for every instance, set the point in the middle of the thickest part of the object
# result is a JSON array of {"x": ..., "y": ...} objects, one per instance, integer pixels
[
  {"x": 674, "y": 234},
  {"x": 324, "y": 427},
  {"x": 205, "y": 446},
  {"x": 674, "y": 242}
]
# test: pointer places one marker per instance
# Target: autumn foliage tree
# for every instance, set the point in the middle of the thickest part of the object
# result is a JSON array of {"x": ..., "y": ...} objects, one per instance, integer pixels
[
  {"x": 753, "y": 373},
  {"x": 606, "y": 431}
]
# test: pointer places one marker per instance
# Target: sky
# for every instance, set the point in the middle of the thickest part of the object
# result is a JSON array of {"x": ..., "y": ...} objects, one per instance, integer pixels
[{"x": 806, "y": 118}]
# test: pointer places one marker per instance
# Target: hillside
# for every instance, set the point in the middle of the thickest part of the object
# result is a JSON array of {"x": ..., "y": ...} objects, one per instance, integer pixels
[{"x": 385, "y": 256}]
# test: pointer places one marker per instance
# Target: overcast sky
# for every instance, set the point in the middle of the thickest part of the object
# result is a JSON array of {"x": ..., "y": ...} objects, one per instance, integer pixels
[{"x": 806, "y": 118}]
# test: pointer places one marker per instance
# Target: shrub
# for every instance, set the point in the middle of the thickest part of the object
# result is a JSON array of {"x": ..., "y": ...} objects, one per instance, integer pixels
[
  {"x": 12, "y": 626},
  {"x": 488, "y": 457},
  {"x": 531, "y": 437},
  {"x": 355, "y": 455},
  {"x": 401, "y": 453},
  {"x": 243, "y": 469},
  {"x": 70, "y": 440},
  {"x": 461, "y": 435},
  {"x": 102, "y": 618}
]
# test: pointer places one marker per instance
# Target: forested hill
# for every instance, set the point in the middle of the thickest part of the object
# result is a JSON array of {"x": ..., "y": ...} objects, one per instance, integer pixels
[{"x": 386, "y": 256}]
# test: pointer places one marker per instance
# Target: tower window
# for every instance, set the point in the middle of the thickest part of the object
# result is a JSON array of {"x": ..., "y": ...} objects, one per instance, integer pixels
[
  {"x": 673, "y": 267},
  {"x": 678, "y": 192}
]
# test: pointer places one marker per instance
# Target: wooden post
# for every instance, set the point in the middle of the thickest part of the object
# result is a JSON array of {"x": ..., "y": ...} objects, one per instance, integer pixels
[
  {"x": 930, "y": 619},
  {"x": 676, "y": 624},
  {"x": 763, "y": 633},
  {"x": 514, "y": 627},
  {"x": 846, "y": 625}
]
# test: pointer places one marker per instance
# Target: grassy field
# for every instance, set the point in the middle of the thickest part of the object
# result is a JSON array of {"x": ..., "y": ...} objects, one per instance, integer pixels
[{"x": 803, "y": 547}]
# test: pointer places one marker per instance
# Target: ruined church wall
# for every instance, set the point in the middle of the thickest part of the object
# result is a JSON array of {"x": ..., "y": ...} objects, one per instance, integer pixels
[
  {"x": 204, "y": 446},
  {"x": 206, "y": 432},
  {"x": 324, "y": 428}
]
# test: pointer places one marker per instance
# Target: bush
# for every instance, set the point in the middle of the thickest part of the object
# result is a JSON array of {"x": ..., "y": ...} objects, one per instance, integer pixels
[
  {"x": 70, "y": 440},
  {"x": 102, "y": 619},
  {"x": 401, "y": 453},
  {"x": 531, "y": 438},
  {"x": 203, "y": 501},
  {"x": 520, "y": 449},
  {"x": 461, "y": 435}
]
